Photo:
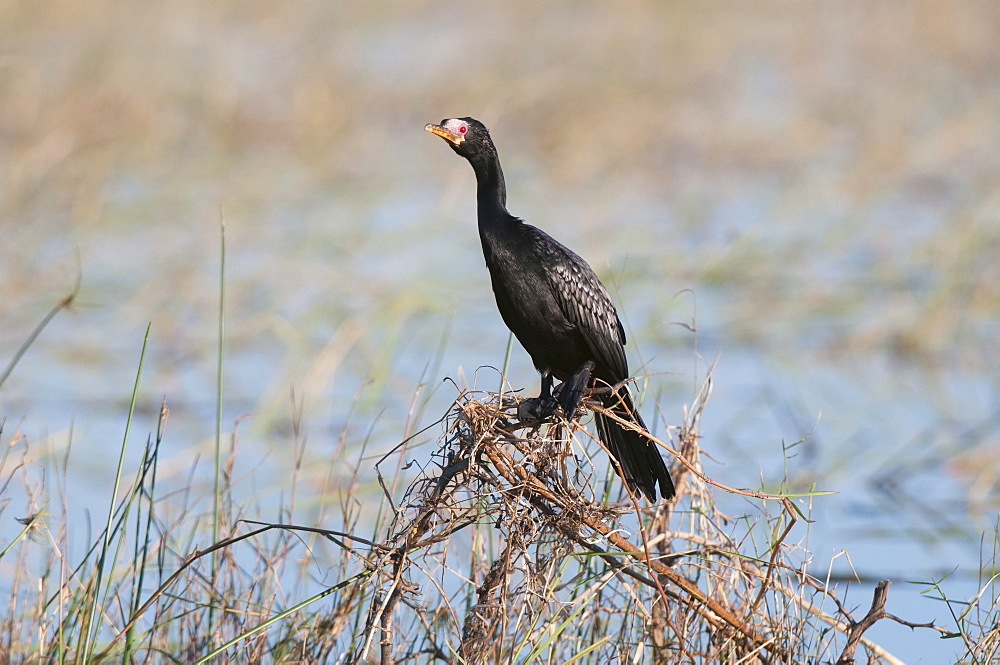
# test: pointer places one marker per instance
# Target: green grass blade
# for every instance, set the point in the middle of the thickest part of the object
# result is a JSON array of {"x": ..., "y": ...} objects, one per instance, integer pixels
[
  {"x": 90, "y": 628},
  {"x": 282, "y": 615}
]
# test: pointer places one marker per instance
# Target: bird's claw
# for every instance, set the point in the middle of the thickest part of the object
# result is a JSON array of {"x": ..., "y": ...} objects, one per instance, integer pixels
[{"x": 537, "y": 408}]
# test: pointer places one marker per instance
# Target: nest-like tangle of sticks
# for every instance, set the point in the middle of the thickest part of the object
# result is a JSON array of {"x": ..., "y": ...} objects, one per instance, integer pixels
[{"x": 684, "y": 595}]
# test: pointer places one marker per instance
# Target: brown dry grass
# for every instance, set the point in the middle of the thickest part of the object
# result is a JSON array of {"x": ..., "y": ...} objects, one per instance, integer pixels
[{"x": 558, "y": 577}]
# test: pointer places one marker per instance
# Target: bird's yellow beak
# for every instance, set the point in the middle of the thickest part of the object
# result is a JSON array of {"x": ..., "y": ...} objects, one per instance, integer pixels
[{"x": 451, "y": 137}]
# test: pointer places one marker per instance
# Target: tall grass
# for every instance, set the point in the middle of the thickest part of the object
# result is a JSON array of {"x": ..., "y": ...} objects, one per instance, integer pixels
[
  {"x": 89, "y": 627},
  {"x": 509, "y": 544}
]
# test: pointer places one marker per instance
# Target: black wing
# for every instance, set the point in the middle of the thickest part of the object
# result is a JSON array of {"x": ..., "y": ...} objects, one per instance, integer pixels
[{"x": 585, "y": 303}]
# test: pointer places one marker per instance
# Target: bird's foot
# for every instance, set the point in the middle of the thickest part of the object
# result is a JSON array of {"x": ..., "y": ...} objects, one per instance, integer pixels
[
  {"x": 568, "y": 401},
  {"x": 537, "y": 408},
  {"x": 570, "y": 392}
]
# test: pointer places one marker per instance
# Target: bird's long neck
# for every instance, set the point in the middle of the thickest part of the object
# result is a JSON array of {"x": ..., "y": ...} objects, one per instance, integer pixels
[
  {"x": 495, "y": 223},
  {"x": 492, "y": 191}
]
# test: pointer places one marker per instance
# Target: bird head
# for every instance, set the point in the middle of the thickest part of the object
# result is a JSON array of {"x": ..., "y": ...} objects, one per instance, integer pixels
[{"x": 466, "y": 136}]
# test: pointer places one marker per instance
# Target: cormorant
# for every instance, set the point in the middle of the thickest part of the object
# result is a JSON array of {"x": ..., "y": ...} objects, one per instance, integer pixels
[{"x": 559, "y": 311}]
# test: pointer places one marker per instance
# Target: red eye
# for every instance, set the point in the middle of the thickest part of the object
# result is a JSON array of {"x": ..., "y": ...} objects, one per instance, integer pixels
[{"x": 462, "y": 129}]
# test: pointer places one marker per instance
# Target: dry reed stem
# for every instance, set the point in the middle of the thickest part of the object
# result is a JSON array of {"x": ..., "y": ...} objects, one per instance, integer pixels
[
  {"x": 524, "y": 480},
  {"x": 484, "y": 432}
]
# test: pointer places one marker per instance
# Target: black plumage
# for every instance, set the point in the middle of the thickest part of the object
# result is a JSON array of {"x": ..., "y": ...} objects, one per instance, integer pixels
[{"x": 559, "y": 311}]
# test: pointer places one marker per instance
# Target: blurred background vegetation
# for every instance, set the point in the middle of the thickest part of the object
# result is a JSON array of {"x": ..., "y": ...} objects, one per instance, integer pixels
[{"x": 813, "y": 188}]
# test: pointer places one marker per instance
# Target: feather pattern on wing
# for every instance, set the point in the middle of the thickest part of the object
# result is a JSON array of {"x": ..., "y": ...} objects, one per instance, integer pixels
[{"x": 586, "y": 303}]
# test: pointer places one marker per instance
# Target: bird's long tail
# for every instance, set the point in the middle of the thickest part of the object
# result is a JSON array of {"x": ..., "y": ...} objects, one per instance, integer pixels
[{"x": 642, "y": 467}]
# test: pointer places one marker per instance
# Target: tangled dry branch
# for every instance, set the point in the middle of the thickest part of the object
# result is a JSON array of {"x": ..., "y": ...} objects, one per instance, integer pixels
[{"x": 678, "y": 596}]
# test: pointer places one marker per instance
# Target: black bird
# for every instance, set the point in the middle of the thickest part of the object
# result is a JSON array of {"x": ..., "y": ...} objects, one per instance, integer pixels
[{"x": 558, "y": 309}]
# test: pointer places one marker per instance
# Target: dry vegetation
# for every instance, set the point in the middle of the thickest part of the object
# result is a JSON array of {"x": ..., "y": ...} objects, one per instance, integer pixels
[
  {"x": 507, "y": 547},
  {"x": 558, "y": 579}
]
